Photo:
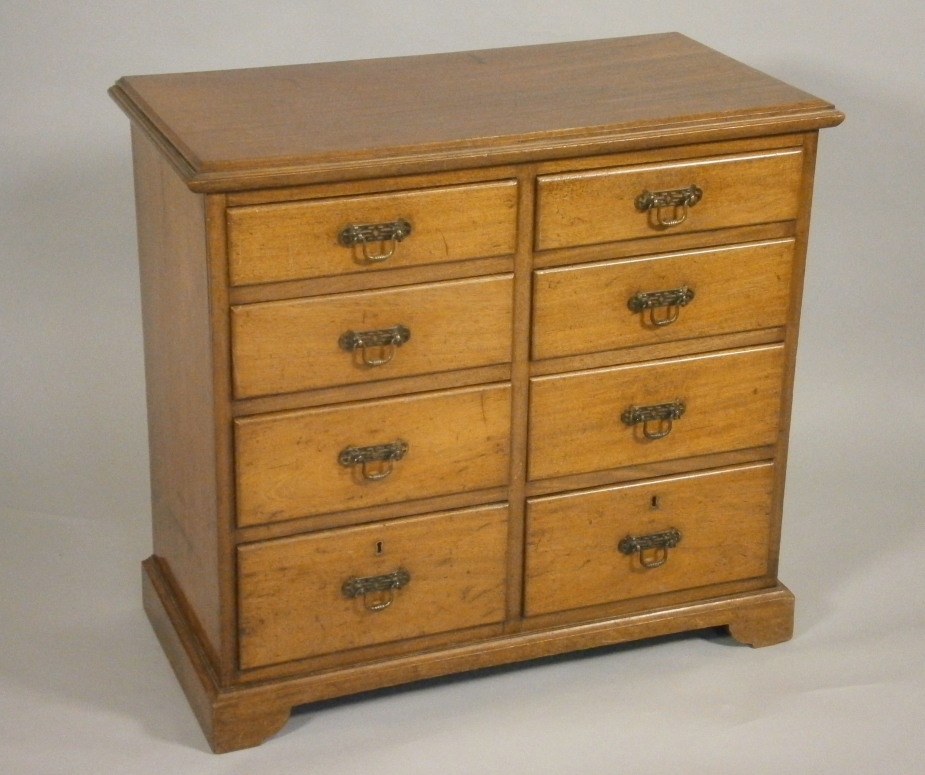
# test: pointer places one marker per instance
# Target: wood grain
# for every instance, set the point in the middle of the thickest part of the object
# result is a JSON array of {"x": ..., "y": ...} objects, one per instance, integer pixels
[
  {"x": 518, "y": 169},
  {"x": 294, "y": 124},
  {"x": 732, "y": 402},
  {"x": 293, "y": 606},
  {"x": 284, "y": 346},
  {"x": 288, "y": 465},
  {"x": 295, "y": 240},
  {"x": 245, "y": 715},
  {"x": 572, "y": 540},
  {"x": 584, "y": 308},
  {"x": 181, "y": 397},
  {"x": 584, "y": 208}
]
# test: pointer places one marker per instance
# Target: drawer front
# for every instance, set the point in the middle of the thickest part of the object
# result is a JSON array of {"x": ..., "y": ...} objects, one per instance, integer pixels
[
  {"x": 342, "y": 589},
  {"x": 689, "y": 531},
  {"x": 284, "y": 346},
  {"x": 293, "y": 240},
  {"x": 580, "y": 421},
  {"x": 585, "y": 208},
  {"x": 613, "y": 304},
  {"x": 329, "y": 459}
]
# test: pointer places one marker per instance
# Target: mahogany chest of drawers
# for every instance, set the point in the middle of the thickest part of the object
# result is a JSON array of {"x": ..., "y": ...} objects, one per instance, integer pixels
[{"x": 463, "y": 359}]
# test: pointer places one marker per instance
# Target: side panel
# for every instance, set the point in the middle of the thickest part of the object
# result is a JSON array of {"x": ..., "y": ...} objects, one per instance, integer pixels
[{"x": 173, "y": 258}]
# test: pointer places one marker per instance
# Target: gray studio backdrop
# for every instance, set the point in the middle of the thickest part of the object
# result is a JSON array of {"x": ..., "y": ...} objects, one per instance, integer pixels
[{"x": 83, "y": 686}]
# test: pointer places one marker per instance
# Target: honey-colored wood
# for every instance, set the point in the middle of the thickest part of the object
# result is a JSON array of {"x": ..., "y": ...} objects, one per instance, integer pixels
[
  {"x": 584, "y": 308},
  {"x": 341, "y": 394},
  {"x": 284, "y": 346},
  {"x": 765, "y": 624},
  {"x": 288, "y": 241},
  {"x": 297, "y": 124},
  {"x": 243, "y": 716},
  {"x": 669, "y": 349},
  {"x": 657, "y": 155},
  {"x": 354, "y": 283},
  {"x": 224, "y": 454},
  {"x": 572, "y": 539},
  {"x": 287, "y": 463},
  {"x": 228, "y": 723},
  {"x": 665, "y": 243},
  {"x": 180, "y": 390},
  {"x": 793, "y": 329},
  {"x": 732, "y": 402},
  {"x": 600, "y": 205},
  {"x": 519, "y": 476},
  {"x": 520, "y": 385},
  {"x": 650, "y": 470},
  {"x": 292, "y": 603},
  {"x": 440, "y": 179}
]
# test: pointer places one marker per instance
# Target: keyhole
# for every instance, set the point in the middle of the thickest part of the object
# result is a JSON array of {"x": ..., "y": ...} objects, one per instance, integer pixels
[
  {"x": 379, "y": 547},
  {"x": 656, "y": 502}
]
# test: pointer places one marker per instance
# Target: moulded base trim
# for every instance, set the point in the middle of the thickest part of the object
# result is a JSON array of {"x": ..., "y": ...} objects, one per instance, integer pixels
[{"x": 243, "y": 716}]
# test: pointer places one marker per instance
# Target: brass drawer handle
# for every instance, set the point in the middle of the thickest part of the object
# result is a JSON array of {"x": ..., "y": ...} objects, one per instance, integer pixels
[
  {"x": 383, "y": 455},
  {"x": 652, "y": 548},
  {"x": 377, "y": 347},
  {"x": 676, "y": 201},
  {"x": 383, "y": 586},
  {"x": 673, "y": 299},
  {"x": 382, "y": 233},
  {"x": 657, "y": 419}
]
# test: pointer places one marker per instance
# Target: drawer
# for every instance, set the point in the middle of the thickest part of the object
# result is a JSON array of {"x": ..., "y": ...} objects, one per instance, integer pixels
[
  {"x": 662, "y": 535},
  {"x": 584, "y": 208},
  {"x": 293, "y": 240},
  {"x": 613, "y": 304},
  {"x": 284, "y": 346},
  {"x": 329, "y": 459},
  {"x": 360, "y": 586},
  {"x": 583, "y": 421}
]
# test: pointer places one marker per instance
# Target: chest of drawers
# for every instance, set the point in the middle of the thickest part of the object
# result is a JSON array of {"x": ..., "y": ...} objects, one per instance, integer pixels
[{"x": 465, "y": 359}]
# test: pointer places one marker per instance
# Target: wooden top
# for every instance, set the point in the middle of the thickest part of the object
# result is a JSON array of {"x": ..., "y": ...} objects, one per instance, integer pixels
[{"x": 271, "y": 126}]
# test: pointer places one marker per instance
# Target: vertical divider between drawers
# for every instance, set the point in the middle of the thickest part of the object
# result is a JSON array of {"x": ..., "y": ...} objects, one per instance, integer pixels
[{"x": 520, "y": 381}]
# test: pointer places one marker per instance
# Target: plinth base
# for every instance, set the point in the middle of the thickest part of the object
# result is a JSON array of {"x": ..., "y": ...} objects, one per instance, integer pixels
[{"x": 243, "y": 716}]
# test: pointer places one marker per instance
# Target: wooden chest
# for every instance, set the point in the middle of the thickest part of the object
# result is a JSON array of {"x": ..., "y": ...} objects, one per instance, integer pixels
[{"x": 464, "y": 359}]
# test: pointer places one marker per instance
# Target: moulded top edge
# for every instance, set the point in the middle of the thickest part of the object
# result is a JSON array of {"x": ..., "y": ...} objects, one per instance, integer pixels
[{"x": 233, "y": 129}]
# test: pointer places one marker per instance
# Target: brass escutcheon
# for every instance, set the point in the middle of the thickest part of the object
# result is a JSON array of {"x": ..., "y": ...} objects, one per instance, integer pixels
[
  {"x": 676, "y": 201},
  {"x": 390, "y": 234},
  {"x": 653, "y": 548},
  {"x": 378, "y": 591}
]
